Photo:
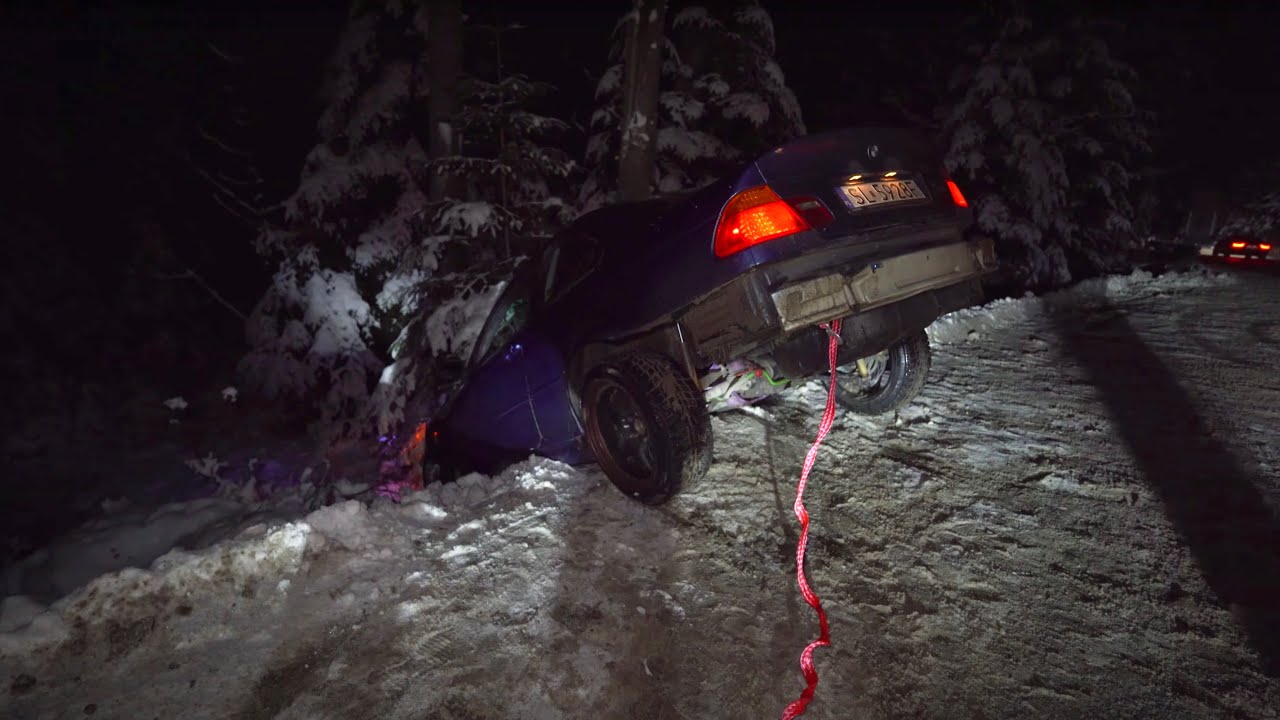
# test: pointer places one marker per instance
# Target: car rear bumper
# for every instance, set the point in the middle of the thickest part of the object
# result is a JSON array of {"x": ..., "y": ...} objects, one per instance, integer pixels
[
  {"x": 810, "y": 302},
  {"x": 771, "y": 302}
]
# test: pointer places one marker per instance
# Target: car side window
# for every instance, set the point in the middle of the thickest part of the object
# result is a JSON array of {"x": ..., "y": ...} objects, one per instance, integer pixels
[
  {"x": 571, "y": 261},
  {"x": 509, "y": 315}
]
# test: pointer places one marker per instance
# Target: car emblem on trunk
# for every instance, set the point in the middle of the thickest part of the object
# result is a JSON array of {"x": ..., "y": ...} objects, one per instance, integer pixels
[{"x": 873, "y": 151}]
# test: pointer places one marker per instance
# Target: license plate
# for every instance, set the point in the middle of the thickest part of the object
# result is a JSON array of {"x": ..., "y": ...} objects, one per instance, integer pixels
[{"x": 860, "y": 196}]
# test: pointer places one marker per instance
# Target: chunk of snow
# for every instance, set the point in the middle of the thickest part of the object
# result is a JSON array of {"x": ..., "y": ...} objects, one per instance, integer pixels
[
  {"x": 208, "y": 466},
  {"x": 17, "y": 611},
  {"x": 388, "y": 375},
  {"x": 176, "y": 403},
  {"x": 347, "y": 523},
  {"x": 337, "y": 311},
  {"x": 470, "y": 218}
]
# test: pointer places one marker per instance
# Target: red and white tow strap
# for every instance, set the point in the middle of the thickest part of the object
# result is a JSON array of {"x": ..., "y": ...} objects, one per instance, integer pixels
[{"x": 797, "y": 707}]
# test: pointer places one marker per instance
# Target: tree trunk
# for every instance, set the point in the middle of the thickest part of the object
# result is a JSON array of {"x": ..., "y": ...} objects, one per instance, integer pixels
[
  {"x": 642, "y": 68},
  {"x": 444, "y": 68}
]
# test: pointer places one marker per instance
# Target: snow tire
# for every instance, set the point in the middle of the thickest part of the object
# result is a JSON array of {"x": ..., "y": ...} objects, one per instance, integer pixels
[
  {"x": 671, "y": 450},
  {"x": 906, "y": 369}
]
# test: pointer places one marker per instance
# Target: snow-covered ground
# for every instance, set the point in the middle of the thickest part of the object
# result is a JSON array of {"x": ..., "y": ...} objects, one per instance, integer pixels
[{"x": 1079, "y": 518}]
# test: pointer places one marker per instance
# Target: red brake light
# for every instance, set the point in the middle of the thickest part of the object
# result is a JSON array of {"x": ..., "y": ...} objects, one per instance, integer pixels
[
  {"x": 753, "y": 216},
  {"x": 957, "y": 197},
  {"x": 1264, "y": 247},
  {"x": 1237, "y": 245}
]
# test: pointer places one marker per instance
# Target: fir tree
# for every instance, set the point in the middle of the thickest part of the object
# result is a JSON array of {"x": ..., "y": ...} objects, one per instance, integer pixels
[
  {"x": 1044, "y": 135},
  {"x": 511, "y": 183},
  {"x": 513, "y": 177},
  {"x": 374, "y": 281},
  {"x": 1259, "y": 217},
  {"x": 349, "y": 243},
  {"x": 724, "y": 100}
]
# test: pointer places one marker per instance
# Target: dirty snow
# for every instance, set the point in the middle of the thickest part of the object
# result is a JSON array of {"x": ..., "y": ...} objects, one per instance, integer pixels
[{"x": 1033, "y": 538}]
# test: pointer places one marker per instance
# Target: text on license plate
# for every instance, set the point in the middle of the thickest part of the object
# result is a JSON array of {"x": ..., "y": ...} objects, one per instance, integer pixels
[{"x": 868, "y": 194}]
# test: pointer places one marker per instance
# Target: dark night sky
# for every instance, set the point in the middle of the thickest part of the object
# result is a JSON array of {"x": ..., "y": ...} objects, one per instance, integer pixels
[{"x": 1209, "y": 68}]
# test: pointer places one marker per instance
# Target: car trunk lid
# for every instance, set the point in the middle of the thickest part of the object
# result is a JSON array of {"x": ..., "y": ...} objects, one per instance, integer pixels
[{"x": 868, "y": 178}]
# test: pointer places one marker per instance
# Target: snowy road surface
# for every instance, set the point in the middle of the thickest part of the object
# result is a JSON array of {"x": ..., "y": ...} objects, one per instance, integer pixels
[{"x": 1078, "y": 519}]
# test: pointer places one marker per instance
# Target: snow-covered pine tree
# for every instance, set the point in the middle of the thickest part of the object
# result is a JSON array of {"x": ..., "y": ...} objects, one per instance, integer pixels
[
  {"x": 1258, "y": 217},
  {"x": 1258, "y": 212},
  {"x": 1001, "y": 147},
  {"x": 723, "y": 99},
  {"x": 349, "y": 243},
  {"x": 731, "y": 55},
  {"x": 374, "y": 280},
  {"x": 1106, "y": 137},
  {"x": 1044, "y": 134},
  {"x": 512, "y": 176},
  {"x": 511, "y": 182}
]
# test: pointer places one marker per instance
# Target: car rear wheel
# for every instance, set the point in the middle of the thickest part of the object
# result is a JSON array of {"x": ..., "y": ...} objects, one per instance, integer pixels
[
  {"x": 647, "y": 425},
  {"x": 887, "y": 381}
]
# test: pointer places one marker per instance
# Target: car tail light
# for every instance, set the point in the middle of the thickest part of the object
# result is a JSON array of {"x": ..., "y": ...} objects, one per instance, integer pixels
[
  {"x": 1237, "y": 245},
  {"x": 957, "y": 197},
  {"x": 812, "y": 210},
  {"x": 1264, "y": 247},
  {"x": 753, "y": 216}
]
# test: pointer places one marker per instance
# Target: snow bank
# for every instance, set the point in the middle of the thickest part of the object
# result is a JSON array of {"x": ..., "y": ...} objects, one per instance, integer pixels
[
  {"x": 121, "y": 539},
  {"x": 1141, "y": 283},
  {"x": 231, "y": 550},
  {"x": 969, "y": 324},
  {"x": 25, "y": 626}
]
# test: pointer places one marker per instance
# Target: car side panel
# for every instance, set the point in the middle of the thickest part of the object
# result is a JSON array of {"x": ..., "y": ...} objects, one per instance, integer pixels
[
  {"x": 561, "y": 434},
  {"x": 654, "y": 266},
  {"x": 547, "y": 393},
  {"x": 520, "y": 399},
  {"x": 493, "y": 407}
]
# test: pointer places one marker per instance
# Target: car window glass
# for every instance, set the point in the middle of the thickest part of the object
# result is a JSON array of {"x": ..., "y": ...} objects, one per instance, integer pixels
[
  {"x": 509, "y": 315},
  {"x": 578, "y": 256}
]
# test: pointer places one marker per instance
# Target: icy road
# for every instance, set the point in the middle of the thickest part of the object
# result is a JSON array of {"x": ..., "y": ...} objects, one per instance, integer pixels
[{"x": 1080, "y": 518}]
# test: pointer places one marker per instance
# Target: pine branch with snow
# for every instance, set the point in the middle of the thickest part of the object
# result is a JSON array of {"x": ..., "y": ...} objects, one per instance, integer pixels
[
  {"x": 513, "y": 177},
  {"x": 1259, "y": 217},
  {"x": 723, "y": 100},
  {"x": 350, "y": 245},
  {"x": 1045, "y": 135},
  {"x": 513, "y": 173}
]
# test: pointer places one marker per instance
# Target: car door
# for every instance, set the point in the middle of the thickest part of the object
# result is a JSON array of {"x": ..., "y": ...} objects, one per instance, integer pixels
[
  {"x": 516, "y": 395},
  {"x": 493, "y": 406},
  {"x": 567, "y": 262}
]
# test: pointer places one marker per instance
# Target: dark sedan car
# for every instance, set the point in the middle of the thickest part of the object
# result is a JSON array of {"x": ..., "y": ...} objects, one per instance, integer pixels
[
  {"x": 1245, "y": 247},
  {"x": 640, "y": 319}
]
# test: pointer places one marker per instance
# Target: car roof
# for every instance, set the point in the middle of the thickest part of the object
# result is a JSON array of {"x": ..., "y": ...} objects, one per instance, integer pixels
[{"x": 606, "y": 221}]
